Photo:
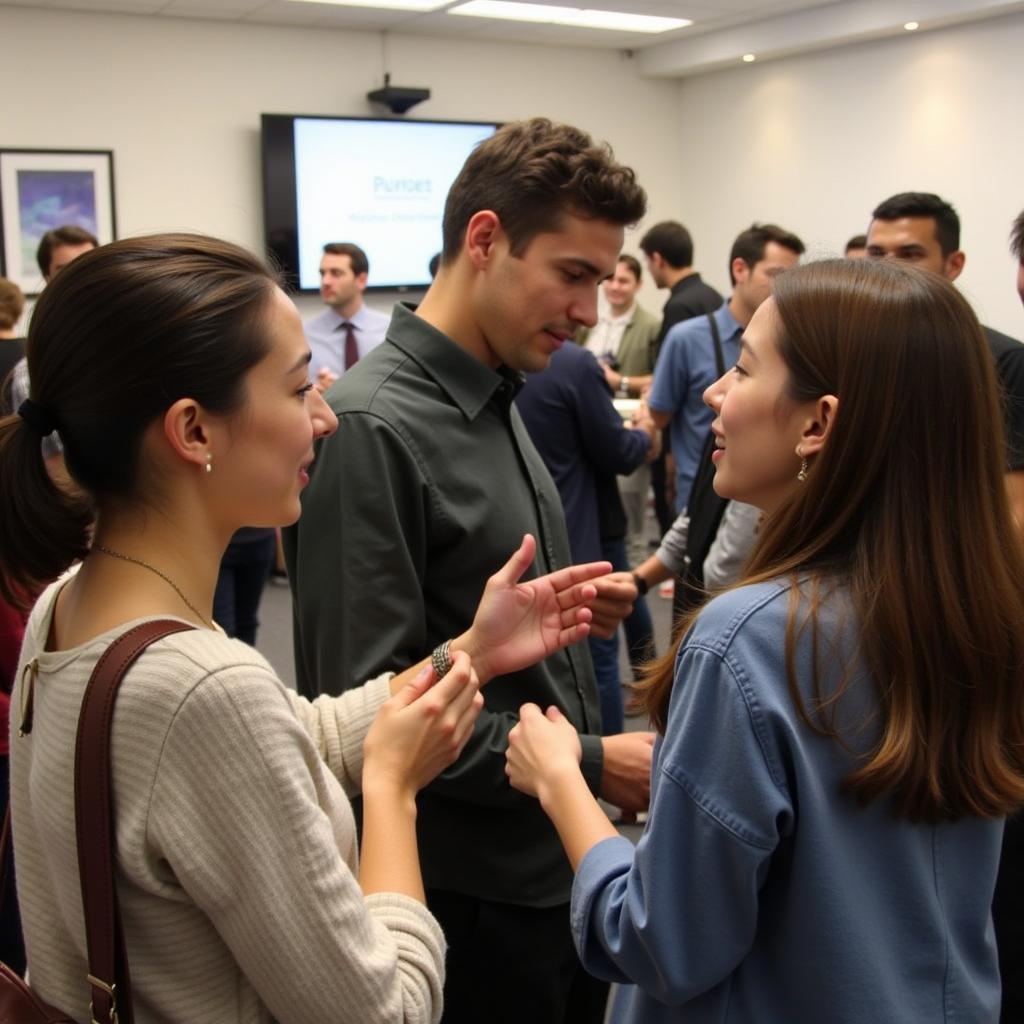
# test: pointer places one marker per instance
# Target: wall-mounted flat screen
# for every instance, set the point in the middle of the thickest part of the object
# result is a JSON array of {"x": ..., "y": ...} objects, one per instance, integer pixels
[{"x": 380, "y": 183}]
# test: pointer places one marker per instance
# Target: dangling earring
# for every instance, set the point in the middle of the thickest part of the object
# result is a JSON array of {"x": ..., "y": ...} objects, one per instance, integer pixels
[
  {"x": 802, "y": 475},
  {"x": 209, "y": 463}
]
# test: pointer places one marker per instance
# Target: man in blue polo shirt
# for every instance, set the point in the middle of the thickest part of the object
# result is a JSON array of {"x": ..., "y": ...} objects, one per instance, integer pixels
[{"x": 687, "y": 363}]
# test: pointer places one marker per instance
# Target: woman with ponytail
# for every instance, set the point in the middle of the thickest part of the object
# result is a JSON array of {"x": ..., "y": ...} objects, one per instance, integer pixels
[
  {"x": 842, "y": 732},
  {"x": 175, "y": 371}
]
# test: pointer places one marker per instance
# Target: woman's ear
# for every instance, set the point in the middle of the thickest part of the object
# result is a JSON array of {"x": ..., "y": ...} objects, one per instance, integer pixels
[
  {"x": 818, "y": 425},
  {"x": 186, "y": 428}
]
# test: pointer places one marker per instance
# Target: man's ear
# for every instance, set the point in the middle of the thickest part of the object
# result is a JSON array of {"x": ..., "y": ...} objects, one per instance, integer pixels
[
  {"x": 186, "y": 429},
  {"x": 361, "y": 280},
  {"x": 740, "y": 270},
  {"x": 482, "y": 234},
  {"x": 955, "y": 264},
  {"x": 818, "y": 425}
]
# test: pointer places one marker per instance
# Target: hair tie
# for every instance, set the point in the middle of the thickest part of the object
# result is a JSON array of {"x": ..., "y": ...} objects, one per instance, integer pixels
[{"x": 37, "y": 418}]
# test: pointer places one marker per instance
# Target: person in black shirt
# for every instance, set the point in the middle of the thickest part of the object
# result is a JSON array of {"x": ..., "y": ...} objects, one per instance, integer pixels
[
  {"x": 668, "y": 247},
  {"x": 669, "y": 251}
]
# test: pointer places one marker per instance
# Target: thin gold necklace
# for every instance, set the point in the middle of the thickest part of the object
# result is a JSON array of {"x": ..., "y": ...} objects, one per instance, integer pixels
[{"x": 153, "y": 569}]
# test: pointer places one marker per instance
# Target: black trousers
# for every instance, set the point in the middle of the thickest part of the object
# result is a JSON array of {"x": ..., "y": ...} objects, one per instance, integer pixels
[{"x": 513, "y": 965}]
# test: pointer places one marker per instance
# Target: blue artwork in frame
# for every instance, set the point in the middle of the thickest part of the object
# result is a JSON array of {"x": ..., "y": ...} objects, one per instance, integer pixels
[{"x": 45, "y": 189}]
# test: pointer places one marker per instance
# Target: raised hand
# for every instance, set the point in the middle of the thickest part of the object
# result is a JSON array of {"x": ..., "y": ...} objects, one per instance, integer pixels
[{"x": 518, "y": 624}]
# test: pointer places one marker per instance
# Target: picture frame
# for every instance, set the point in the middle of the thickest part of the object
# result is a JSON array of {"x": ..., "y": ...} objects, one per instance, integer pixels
[{"x": 41, "y": 189}]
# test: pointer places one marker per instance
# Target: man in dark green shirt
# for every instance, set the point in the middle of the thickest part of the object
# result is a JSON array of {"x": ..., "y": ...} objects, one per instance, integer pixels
[{"x": 428, "y": 485}]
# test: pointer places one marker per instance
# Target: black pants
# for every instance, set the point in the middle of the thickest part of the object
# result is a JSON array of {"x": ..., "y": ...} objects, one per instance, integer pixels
[
  {"x": 243, "y": 572},
  {"x": 513, "y": 965}
]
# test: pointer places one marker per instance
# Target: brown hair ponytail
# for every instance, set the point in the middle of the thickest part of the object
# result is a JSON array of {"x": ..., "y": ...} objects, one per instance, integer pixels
[{"x": 43, "y": 528}]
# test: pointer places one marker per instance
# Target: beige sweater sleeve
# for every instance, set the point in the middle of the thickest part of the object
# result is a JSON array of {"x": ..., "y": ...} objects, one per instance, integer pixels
[
  {"x": 257, "y": 833},
  {"x": 338, "y": 726}
]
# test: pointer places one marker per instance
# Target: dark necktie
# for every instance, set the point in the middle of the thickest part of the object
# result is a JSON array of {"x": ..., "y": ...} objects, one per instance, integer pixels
[{"x": 351, "y": 348}]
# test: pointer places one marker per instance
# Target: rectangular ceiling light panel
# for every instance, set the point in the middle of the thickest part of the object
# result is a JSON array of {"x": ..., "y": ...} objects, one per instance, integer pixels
[
  {"x": 574, "y": 16},
  {"x": 385, "y": 5}
]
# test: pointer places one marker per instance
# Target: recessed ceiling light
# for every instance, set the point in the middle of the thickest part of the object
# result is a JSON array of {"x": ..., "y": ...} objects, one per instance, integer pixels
[
  {"x": 911, "y": 26},
  {"x": 574, "y": 16},
  {"x": 390, "y": 5},
  {"x": 749, "y": 58}
]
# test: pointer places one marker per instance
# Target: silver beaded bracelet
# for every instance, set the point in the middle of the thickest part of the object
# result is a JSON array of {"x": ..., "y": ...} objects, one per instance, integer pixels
[{"x": 441, "y": 659}]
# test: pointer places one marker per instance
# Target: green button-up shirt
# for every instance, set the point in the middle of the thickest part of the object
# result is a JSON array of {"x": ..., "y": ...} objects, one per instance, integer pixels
[{"x": 423, "y": 492}]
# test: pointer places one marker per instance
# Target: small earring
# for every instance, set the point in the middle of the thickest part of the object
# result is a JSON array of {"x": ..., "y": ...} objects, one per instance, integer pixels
[
  {"x": 209, "y": 463},
  {"x": 802, "y": 475}
]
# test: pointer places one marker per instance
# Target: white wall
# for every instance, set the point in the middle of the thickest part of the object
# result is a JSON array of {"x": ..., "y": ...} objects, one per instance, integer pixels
[
  {"x": 179, "y": 102},
  {"x": 815, "y": 142},
  {"x": 812, "y": 142}
]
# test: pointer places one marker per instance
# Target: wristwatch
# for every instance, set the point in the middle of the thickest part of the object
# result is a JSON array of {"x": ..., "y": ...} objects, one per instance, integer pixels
[
  {"x": 624, "y": 386},
  {"x": 641, "y": 584}
]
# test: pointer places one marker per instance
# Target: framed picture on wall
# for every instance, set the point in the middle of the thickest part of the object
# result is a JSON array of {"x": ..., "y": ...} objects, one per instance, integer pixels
[{"x": 42, "y": 189}]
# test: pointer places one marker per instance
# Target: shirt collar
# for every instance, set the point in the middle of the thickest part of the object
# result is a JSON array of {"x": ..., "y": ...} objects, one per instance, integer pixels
[
  {"x": 728, "y": 325},
  {"x": 469, "y": 383},
  {"x": 357, "y": 320}
]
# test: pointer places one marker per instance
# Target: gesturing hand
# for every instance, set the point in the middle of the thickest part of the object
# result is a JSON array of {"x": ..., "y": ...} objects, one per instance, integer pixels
[
  {"x": 422, "y": 729},
  {"x": 616, "y": 593},
  {"x": 518, "y": 624}
]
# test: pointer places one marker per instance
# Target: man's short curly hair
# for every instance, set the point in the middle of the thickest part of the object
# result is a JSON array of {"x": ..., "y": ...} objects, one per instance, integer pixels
[{"x": 531, "y": 173}]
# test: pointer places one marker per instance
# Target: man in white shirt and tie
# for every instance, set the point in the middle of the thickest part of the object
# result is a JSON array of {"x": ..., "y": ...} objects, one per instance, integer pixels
[{"x": 348, "y": 329}]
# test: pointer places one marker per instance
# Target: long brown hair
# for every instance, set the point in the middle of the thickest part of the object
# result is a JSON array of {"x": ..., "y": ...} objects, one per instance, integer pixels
[
  {"x": 906, "y": 508},
  {"x": 118, "y": 336}
]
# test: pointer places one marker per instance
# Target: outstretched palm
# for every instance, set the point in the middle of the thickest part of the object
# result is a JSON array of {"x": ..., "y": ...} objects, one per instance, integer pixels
[{"x": 518, "y": 624}]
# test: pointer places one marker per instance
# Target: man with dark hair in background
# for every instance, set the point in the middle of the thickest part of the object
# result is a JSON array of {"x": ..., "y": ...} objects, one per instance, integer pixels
[
  {"x": 856, "y": 248},
  {"x": 59, "y": 246},
  {"x": 923, "y": 229},
  {"x": 696, "y": 352},
  {"x": 348, "y": 329},
  {"x": 625, "y": 338},
  {"x": 427, "y": 486},
  {"x": 668, "y": 247},
  {"x": 669, "y": 251}
]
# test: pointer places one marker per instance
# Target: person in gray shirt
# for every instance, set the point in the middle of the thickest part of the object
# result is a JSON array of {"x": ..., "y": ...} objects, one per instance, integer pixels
[{"x": 429, "y": 483}]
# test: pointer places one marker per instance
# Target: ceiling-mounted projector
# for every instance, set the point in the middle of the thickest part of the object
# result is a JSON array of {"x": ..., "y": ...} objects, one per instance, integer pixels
[{"x": 398, "y": 98}]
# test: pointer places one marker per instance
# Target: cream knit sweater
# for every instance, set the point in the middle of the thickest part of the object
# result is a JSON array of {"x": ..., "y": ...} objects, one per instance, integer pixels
[{"x": 236, "y": 845}]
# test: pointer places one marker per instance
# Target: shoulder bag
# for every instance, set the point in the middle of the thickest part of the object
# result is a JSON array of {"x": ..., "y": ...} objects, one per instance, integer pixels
[{"x": 108, "y": 977}]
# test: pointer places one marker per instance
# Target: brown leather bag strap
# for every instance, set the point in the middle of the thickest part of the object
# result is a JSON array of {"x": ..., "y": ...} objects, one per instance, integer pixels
[{"x": 94, "y": 822}]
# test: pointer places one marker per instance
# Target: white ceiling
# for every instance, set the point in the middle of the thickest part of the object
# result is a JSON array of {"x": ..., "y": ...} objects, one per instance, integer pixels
[{"x": 722, "y": 30}]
